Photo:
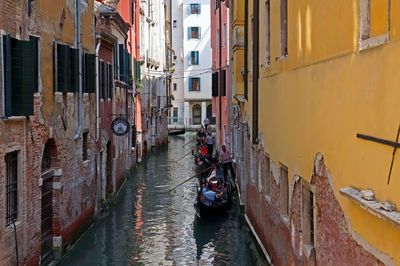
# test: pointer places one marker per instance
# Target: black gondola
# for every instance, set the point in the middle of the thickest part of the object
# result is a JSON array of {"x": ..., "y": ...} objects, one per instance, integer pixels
[
  {"x": 174, "y": 132},
  {"x": 218, "y": 206}
]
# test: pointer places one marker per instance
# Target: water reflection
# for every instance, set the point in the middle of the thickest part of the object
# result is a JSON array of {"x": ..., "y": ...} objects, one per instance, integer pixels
[{"x": 150, "y": 226}]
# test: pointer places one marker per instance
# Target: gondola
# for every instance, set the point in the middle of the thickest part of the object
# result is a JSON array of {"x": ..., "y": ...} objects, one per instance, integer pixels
[
  {"x": 174, "y": 132},
  {"x": 219, "y": 206}
]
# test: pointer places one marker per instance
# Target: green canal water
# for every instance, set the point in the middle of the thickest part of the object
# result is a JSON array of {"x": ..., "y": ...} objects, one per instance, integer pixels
[{"x": 150, "y": 226}]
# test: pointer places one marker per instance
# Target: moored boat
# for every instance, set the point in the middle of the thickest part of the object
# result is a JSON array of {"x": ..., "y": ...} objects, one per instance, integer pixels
[{"x": 204, "y": 206}]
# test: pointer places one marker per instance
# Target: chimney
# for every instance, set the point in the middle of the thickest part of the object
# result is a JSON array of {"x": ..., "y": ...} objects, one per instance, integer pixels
[{"x": 112, "y": 3}]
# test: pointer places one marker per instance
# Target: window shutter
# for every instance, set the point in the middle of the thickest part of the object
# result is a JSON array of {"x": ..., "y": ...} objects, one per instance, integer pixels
[
  {"x": 102, "y": 80},
  {"x": 130, "y": 69},
  {"x": 90, "y": 73},
  {"x": 7, "y": 73},
  {"x": 199, "y": 8},
  {"x": 121, "y": 61},
  {"x": 22, "y": 77},
  {"x": 110, "y": 81},
  {"x": 223, "y": 81},
  {"x": 214, "y": 84},
  {"x": 199, "y": 85},
  {"x": 196, "y": 57},
  {"x": 35, "y": 52},
  {"x": 190, "y": 84},
  {"x": 199, "y": 32},
  {"x": 126, "y": 66},
  {"x": 84, "y": 73},
  {"x": 74, "y": 70},
  {"x": 189, "y": 33},
  {"x": 63, "y": 71}
]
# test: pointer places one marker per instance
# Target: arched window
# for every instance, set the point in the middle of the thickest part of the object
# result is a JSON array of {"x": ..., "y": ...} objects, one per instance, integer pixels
[
  {"x": 209, "y": 114},
  {"x": 196, "y": 114}
]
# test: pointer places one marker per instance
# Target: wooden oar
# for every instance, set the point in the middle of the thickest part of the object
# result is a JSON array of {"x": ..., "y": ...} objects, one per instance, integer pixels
[
  {"x": 195, "y": 175},
  {"x": 188, "y": 142},
  {"x": 183, "y": 156}
]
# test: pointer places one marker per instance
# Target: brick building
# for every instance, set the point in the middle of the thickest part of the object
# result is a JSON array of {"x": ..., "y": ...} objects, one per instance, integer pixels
[
  {"x": 47, "y": 125},
  {"x": 313, "y": 127}
]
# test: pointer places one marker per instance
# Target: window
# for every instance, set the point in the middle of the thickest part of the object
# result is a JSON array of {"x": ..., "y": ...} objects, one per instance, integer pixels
[
  {"x": 284, "y": 191},
  {"x": 308, "y": 216},
  {"x": 194, "y": 58},
  {"x": 195, "y": 8},
  {"x": 124, "y": 63},
  {"x": 102, "y": 79},
  {"x": 175, "y": 86},
  {"x": 174, "y": 23},
  {"x": 374, "y": 22},
  {"x": 110, "y": 81},
  {"x": 217, "y": 4},
  {"x": 175, "y": 115},
  {"x": 284, "y": 28},
  {"x": 20, "y": 69},
  {"x": 90, "y": 73},
  {"x": 266, "y": 172},
  {"x": 132, "y": 13},
  {"x": 214, "y": 84},
  {"x": 196, "y": 114},
  {"x": 267, "y": 34},
  {"x": 194, "y": 84},
  {"x": 209, "y": 115},
  {"x": 85, "y": 146},
  {"x": 194, "y": 33},
  {"x": 11, "y": 160}
]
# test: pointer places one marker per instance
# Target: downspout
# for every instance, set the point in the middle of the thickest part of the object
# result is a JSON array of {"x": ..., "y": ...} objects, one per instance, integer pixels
[
  {"x": 220, "y": 72},
  {"x": 79, "y": 46},
  {"x": 97, "y": 91}
]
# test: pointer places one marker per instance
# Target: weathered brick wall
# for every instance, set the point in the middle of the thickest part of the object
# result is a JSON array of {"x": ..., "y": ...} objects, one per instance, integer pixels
[
  {"x": 282, "y": 236},
  {"x": 55, "y": 116}
]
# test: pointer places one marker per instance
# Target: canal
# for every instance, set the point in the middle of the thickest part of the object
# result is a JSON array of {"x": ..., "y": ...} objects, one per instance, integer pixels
[{"x": 150, "y": 226}]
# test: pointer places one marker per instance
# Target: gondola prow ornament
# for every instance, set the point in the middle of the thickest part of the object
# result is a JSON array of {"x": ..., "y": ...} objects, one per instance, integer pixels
[{"x": 120, "y": 126}]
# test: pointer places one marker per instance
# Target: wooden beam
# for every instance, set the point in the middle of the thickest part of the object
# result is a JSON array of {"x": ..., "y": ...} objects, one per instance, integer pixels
[{"x": 378, "y": 140}]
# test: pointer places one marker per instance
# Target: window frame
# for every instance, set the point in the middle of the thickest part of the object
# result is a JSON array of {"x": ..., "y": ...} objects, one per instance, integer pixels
[
  {"x": 11, "y": 217},
  {"x": 191, "y": 79},
  {"x": 192, "y": 7}
]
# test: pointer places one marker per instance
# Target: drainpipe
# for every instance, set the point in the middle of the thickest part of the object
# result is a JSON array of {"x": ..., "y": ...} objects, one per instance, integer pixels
[
  {"x": 97, "y": 92},
  {"x": 79, "y": 46}
]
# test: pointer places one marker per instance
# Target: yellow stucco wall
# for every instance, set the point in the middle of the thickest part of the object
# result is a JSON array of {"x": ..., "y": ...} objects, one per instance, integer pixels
[
  {"x": 48, "y": 14},
  {"x": 326, "y": 92}
]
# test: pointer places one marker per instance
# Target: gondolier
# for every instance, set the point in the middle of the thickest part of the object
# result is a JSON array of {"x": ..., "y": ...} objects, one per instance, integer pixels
[{"x": 226, "y": 159}]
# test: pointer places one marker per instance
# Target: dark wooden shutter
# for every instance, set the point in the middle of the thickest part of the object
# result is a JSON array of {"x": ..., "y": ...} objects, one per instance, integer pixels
[
  {"x": 214, "y": 84},
  {"x": 110, "y": 81},
  {"x": 35, "y": 54},
  {"x": 74, "y": 70},
  {"x": 90, "y": 73},
  {"x": 7, "y": 73},
  {"x": 121, "y": 52},
  {"x": 103, "y": 80},
  {"x": 129, "y": 81},
  {"x": 63, "y": 71},
  {"x": 22, "y": 77},
  {"x": 223, "y": 81},
  {"x": 84, "y": 73}
]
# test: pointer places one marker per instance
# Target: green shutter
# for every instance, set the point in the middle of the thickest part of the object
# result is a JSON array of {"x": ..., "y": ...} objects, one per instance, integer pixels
[
  {"x": 7, "y": 73},
  {"x": 121, "y": 53},
  {"x": 63, "y": 69},
  {"x": 110, "y": 81},
  {"x": 90, "y": 73},
  {"x": 22, "y": 77},
  {"x": 35, "y": 54},
  {"x": 103, "y": 80},
  {"x": 129, "y": 68},
  {"x": 84, "y": 73},
  {"x": 74, "y": 70}
]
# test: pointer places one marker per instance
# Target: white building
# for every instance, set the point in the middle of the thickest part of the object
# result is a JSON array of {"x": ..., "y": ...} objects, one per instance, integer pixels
[
  {"x": 154, "y": 91},
  {"x": 191, "y": 81}
]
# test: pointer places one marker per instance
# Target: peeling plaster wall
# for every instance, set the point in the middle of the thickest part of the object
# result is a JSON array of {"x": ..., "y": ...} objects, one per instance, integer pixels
[{"x": 55, "y": 116}]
